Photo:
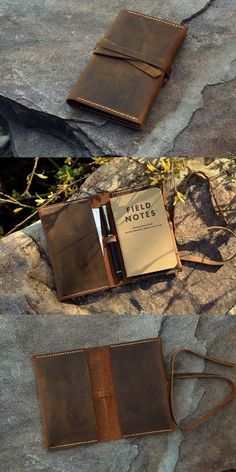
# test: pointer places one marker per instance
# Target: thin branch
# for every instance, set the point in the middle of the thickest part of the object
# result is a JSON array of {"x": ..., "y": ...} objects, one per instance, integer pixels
[
  {"x": 13, "y": 201},
  {"x": 31, "y": 176},
  {"x": 50, "y": 200}
]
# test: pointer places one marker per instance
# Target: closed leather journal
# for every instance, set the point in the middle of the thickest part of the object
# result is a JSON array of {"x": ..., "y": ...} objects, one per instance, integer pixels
[
  {"x": 109, "y": 240},
  {"x": 111, "y": 392},
  {"x": 128, "y": 67}
]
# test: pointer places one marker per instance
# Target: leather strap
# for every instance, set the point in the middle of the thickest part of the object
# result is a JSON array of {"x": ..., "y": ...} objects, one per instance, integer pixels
[
  {"x": 178, "y": 375},
  {"x": 203, "y": 259},
  {"x": 154, "y": 66}
]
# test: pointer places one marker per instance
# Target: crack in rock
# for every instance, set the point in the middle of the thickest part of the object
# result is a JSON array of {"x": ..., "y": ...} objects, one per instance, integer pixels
[
  {"x": 16, "y": 114},
  {"x": 197, "y": 13},
  {"x": 201, "y": 106}
]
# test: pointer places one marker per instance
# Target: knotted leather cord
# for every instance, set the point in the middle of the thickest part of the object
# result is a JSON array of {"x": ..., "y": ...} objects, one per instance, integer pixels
[
  {"x": 176, "y": 375},
  {"x": 203, "y": 259},
  {"x": 149, "y": 64}
]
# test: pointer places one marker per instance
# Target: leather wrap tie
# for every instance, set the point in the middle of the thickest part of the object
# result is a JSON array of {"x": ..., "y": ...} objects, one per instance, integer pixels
[
  {"x": 204, "y": 375},
  {"x": 153, "y": 66}
]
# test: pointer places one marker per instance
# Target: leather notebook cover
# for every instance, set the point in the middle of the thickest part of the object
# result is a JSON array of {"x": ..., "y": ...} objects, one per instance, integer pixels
[
  {"x": 80, "y": 265},
  {"x": 74, "y": 248},
  {"x": 128, "y": 67},
  {"x": 144, "y": 233},
  {"x": 103, "y": 393}
]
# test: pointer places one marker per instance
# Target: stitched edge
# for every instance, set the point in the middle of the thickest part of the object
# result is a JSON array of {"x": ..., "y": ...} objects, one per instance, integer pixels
[
  {"x": 54, "y": 205},
  {"x": 135, "y": 342},
  {"x": 124, "y": 122},
  {"x": 147, "y": 432},
  {"x": 54, "y": 354},
  {"x": 156, "y": 19},
  {"x": 72, "y": 351},
  {"x": 92, "y": 290},
  {"x": 136, "y": 187},
  {"x": 80, "y": 200},
  {"x": 73, "y": 444},
  {"x": 107, "y": 108}
]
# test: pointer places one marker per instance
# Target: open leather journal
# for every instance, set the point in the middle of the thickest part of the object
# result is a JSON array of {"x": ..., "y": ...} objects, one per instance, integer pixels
[
  {"x": 109, "y": 240},
  {"x": 116, "y": 391},
  {"x": 115, "y": 238}
]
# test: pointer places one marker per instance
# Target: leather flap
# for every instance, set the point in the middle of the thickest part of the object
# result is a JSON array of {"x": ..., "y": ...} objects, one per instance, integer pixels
[{"x": 66, "y": 398}]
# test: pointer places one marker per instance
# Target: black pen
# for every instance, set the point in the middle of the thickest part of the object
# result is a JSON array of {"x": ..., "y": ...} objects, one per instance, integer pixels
[{"x": 112, "y": 244}]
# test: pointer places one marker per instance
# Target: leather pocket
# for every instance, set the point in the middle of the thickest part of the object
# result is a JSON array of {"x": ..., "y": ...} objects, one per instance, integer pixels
[
  {"x": 74, "y": 248},
  {"x": 66, "y": 399},
  {"x": 141, "y": 388}
]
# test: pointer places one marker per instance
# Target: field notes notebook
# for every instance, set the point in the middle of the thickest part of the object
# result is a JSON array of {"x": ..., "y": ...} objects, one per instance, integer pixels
[{"x": 144, "y": 234}]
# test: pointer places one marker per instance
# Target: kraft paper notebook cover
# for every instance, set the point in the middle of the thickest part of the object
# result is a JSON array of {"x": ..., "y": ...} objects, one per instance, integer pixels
[
  {"x": 128, "y": 67},
  {"x": 82, "y": 254},
  {"x": 116, "y": 391},
  {"x": 144, "y": 233}
]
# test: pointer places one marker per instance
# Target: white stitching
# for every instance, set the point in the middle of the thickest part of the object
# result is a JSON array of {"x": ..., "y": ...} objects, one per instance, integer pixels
[
  {"x": 79, "y": 200},
  {"x": 115, "y": 118},
  {"x": 107, "y": 108},
  {"x": 92, "y": 290},
  {"x": 73, "y": 444},
  {"x": 58, "y": 353},
  {"x": 54, "y": 205},
  {"x": 156, "y": 19},
  {"x": 136, "y": 187},
  {"x": 134, "y": 342},
  {"x": 148, "y": 432}
]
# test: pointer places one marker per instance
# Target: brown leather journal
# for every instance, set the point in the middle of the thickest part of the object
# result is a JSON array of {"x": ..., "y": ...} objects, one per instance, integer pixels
[
  {"x": 85, "y": 262},
  {"x": 111, "y": 392},
  {"x": 128, "y": 67},
  {"x": 141, "y": 240}
]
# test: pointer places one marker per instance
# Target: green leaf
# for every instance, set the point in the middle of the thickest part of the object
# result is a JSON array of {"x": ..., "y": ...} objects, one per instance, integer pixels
[
  {"x": 165, "y": 164},
  {"x": 15, "y": 194},
  {"x": 151, "y": 167},
  {"x": 154, "y": 180},
  {"x": 17, "y": 210},
  {"x": 179, "y": 197},
  {"x": 41, "y": 176},
  {"x": 101, "y": 160},
  {"x": 39, "y": 201}
]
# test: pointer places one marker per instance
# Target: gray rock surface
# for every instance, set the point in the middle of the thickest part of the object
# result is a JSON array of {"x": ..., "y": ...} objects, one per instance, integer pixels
[
  {"x": 209, "y": 448},
  {"x": 28, "y": 286},
  {"x": 44, "y": 47},
  {"x": 4, "y": 141}
]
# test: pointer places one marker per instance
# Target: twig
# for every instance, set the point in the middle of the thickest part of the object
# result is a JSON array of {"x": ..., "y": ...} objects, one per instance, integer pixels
[
  {"x": 31, "y": 176},
  {"x": 9, "y": 199},
  {"x": 50, "y": 200}
]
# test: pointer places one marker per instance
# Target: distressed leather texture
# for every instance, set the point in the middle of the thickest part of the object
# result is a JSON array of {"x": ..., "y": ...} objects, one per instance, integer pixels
[
  {"x": 74, "y": 249},
  {"x": 103, "y": 393},
  {"x": 113, "y": 392},
  {"x": 128, "y": 67}
]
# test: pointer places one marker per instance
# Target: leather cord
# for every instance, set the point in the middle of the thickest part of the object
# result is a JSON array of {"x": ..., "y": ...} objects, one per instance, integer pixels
[
  {"x": 177, "y": 375},
  {"x": 149, "y": 64},
  {"x": 203, "y": 259}
]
